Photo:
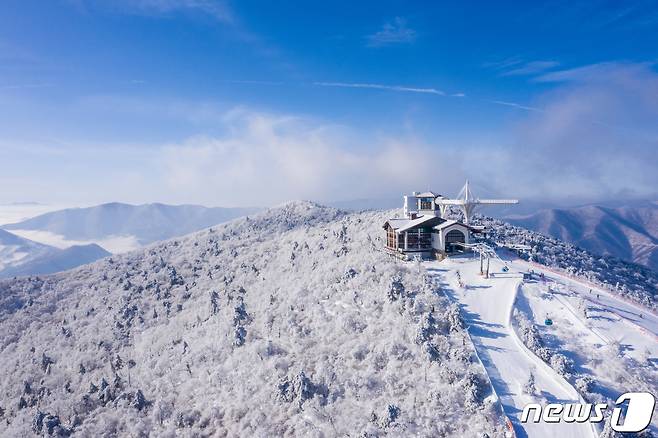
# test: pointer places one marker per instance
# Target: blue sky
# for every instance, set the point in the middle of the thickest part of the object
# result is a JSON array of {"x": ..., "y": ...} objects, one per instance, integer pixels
[{"x": 221, "y": 102}]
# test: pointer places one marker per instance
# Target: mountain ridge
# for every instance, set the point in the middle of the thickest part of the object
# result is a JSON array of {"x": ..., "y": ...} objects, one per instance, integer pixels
[
  {"x": 147, "y": 222},
  {"x": 21, "y": 256},
  {"x": 627, "y": 232}
]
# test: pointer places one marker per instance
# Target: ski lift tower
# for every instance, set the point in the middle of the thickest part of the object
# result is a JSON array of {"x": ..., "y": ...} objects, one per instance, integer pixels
[
  {"x": 468, "y": 203},
  {"x": 486, "y": 253}
]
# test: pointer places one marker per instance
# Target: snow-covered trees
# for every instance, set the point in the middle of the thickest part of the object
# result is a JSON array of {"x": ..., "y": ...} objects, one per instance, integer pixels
[
  {"x": 224, "y": 333},
  {"x": 530, "y": 386},
  {"x": 532, "y": 339},
  {"x": 584, "y": 385}
]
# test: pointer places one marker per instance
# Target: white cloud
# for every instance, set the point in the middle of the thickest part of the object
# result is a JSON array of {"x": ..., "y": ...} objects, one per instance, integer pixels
[
  {"x": 394, "y": 32},
  {"x": 268, "y": 159},
  {"x": 381, "y": 87},
  {"x": 595, "y": 138},
  {"x": 592, "y": 136},
  {"x": 113, "y": 244}
]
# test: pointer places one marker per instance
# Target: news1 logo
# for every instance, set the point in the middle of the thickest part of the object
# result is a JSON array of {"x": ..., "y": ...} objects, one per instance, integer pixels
[{"x": 636, "y": 418}]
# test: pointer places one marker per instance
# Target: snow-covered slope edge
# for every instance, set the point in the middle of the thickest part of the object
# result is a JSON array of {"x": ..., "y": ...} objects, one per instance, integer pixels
[
  {"x": 631, "y": 281},
  {"x": 289, "y": 322},
  {"x": 544, "y": 366}
]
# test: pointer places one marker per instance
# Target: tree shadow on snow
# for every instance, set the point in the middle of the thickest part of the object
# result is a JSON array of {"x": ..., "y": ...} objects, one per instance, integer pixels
[
  {"x": 479, "y": 328},
  {"x": 551, "y": 398},
  {"x": 600, "y": 317},
  {"x": 432, "y": 270},
  {"x": 468, "y": 287}
]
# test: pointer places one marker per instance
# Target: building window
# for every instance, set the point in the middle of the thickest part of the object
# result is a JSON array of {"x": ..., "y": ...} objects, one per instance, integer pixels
[
  {"x": 426, "y": 204},
  {"x": 390, "y": 238}
]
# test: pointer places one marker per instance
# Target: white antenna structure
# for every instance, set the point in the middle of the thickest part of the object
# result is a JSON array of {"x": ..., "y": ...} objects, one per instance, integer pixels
[{"x": 468, "y": 203}]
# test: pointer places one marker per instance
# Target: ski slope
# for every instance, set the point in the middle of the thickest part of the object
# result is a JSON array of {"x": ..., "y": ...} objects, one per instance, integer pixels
[
  {"x": 609, "y": 339},
  {"x": 486, "y": 307},
  {"x": 639, "y": 318}
]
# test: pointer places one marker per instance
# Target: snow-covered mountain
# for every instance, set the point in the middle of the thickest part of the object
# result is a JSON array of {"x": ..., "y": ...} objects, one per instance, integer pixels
[
  {"x": 129, "y": 225},
  {"x": 627, "y": 232},
  {"x": 56, "y": 260},
  {"x": 15, "y": 249},
  {"x": 20, "y": 256},
  {"x": 290, "y": 322}
]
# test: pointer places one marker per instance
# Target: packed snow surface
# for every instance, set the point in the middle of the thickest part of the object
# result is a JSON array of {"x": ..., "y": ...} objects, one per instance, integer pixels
[
  {"x": 595, "y": 337},
  {"x": 486, "y": 308},
  {"x": 610, "y": 345}
]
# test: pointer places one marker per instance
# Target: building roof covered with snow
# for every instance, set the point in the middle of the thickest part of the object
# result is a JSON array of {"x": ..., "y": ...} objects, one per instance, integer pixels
[
  {"x": 404, "y": 224},
  {"x": 448, "y": 223}
]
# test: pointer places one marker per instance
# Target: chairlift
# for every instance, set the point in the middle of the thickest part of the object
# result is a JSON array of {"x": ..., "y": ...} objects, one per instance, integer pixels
[
  {"x": 548, "y": 321},
  {"x": 505, "y": 268}
]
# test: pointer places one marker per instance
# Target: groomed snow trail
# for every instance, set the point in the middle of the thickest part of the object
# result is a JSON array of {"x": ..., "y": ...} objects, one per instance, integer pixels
[
  {"x": 486, "y": 307},
  {"x": 639, "y": 317}
]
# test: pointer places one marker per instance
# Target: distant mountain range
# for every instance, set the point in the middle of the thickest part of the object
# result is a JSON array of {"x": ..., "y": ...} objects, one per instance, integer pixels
[
  {"x": 66, "y": 238},
  {"x": 15, "y": 249},
  {"x": 20, "y": 256},
  {"x": 75, "y": 236},
  {"x": 628, "y": 232},
  {"x": 147, "y": 223}
]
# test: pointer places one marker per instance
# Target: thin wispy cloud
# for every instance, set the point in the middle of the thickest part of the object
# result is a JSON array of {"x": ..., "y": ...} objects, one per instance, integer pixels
[
  {"x": 381, "y": 87},
  {"x": 517, "y": 66},
  {"x": 626, "y": 15},
  {"x": 595, "y": 72},
  {"x": 531, "y": 68},
  {"x": 504, "y": 64},
  {"x": 23, "y": 86},
  {"x": 393, "y": 32},
  {"x": 217, "y": 9},
  {"x": 253, "y": 82},
  {"x": 516, "y": 105}
]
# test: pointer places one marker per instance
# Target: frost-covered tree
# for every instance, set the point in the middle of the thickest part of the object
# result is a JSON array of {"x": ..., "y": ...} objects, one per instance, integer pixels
[
  {"x": 530, "y": 386},
  {"x": 224, "y": 333}
]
